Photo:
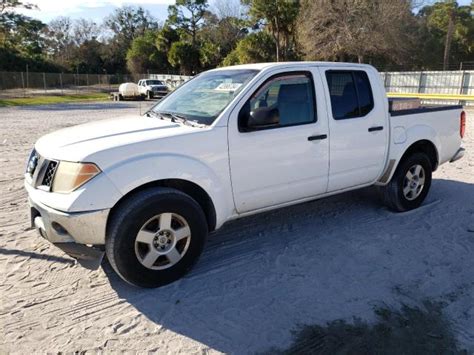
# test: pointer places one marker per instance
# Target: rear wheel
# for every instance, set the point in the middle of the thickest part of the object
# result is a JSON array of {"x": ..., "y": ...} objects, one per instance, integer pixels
[
  {"x": 409, "y": 185},
  {"x": 155, "y": 237}
]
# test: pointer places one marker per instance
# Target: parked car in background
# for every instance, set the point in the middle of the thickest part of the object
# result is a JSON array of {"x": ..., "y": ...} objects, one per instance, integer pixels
[
  {"x": 232, "y": 142},
  {"x": 151, "y": 88},
  {"x": 146, "y": 88}
]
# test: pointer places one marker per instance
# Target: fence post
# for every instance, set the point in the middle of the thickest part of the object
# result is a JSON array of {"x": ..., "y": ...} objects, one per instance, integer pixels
[
  {"x": 61, "y": 82},
  {"x": 23, "y": 84},
  {"x": 420, "y": 82},
  {"x": 386, "y": 81},
  {"x": 77, "y": 80},
  {"x": 461, "y": 89},
  {"x": 44, "y": 82},
  {"x": 87, "y": 80},
  {"x": 27, "y": 82}
]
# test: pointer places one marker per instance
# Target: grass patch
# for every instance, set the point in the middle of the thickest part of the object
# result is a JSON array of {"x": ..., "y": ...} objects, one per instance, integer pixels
[
  {"x": 46, "y": 100},
  {"x": 406, "y": 331}
]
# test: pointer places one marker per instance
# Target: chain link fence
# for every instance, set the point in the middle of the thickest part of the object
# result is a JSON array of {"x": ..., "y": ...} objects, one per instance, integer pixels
[{"x": 27, "y": 84}]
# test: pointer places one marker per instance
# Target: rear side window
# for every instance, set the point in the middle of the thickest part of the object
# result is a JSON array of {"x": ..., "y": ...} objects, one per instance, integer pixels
[{"x": 351, "y": 94}]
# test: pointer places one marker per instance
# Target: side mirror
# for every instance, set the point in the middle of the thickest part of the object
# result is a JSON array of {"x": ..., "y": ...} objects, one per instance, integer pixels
[
  {"x": 260, "y": 118},
  {"x": 264, "y": 117}
]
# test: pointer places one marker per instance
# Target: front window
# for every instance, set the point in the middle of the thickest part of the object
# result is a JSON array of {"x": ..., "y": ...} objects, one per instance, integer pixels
[{"x": 204, "y": 97}]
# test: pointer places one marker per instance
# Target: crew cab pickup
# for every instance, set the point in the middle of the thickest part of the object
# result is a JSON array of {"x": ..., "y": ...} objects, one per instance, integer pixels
[{"x": 231, "y": 142}]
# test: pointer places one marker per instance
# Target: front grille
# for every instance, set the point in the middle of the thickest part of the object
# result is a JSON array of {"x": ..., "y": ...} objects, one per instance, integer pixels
[{"x": 49, "y": 174}]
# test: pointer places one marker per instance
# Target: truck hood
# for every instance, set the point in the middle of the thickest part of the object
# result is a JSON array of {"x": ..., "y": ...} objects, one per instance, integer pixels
[{"x": 80, "y": 142}]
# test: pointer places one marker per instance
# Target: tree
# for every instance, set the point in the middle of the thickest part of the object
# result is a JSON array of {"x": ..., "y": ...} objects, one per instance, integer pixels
[
  {"x": 22, "y": 33},
  {"x": 87, "y": 57},
  {"x": 344, "y": 29},
  {"x": 279, "y": 18},
  {"x": 126, "y": 24},
  {"x": 256, "y": 47},
  {"x": 227, "y": 8},
  {"x": 219, "y": 37},
  {"x": 59, "y": 39},
  {"x": 9, "y": 5},
  {"x": 449, "y": 33},
  {"x": 143, "y": 55},
  {"x": 129, "y": 22},
  {"x": 184, "y": 56},
  {"x": 166, "y": 37},
  {"x": 188, "y": 24},
  {"x": 85, "y": 30}
]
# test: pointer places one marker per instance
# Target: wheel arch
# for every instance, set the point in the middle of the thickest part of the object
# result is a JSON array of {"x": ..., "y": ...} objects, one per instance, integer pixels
[
  {"x": 190, "y": 188},
  {"x": 423, "y": 145}
]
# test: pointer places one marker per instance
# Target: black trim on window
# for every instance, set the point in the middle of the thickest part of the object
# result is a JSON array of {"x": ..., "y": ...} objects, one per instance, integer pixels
[
  {"x": 424, "y": 110},
  {"x": 246, "y": 107},
  {"x": 353, "y": 75}
]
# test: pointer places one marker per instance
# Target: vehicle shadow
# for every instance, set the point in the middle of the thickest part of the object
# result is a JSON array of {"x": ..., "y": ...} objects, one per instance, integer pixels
[
  {"x": 261, "y": 277},
  {"x": 32, "y": 255}
]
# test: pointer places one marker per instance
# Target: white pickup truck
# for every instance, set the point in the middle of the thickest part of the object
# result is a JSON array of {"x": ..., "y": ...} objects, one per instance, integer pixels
[
  {"x": 151, "y": 88},
  {"x": 229, "y": 143}
]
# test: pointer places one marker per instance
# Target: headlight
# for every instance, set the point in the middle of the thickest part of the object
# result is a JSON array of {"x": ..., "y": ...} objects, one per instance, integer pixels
[{"x": 69, "y": 176}]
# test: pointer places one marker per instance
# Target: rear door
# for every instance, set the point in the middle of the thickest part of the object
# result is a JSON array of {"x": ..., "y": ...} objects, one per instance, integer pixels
[
  {"x": 358, "y": 124},
  {"x": 287, "y": 162}
]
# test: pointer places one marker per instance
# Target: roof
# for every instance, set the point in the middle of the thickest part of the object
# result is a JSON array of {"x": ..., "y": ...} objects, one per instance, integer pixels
[{"x": 261, "y": 66}]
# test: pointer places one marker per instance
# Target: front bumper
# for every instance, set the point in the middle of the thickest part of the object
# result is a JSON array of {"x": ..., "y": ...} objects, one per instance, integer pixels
[
  {"x": 159, "y": 93},
  {"x": 77, "y": 234}
]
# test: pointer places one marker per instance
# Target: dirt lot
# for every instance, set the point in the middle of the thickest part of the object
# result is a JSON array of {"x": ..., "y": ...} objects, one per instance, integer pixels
[{"x": 259, "y": 279}]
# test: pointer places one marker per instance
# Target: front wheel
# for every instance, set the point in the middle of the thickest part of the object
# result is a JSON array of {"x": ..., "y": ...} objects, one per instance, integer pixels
[
  {"x": 155, "y": 237},
  {"x": 409, "y": 185}
]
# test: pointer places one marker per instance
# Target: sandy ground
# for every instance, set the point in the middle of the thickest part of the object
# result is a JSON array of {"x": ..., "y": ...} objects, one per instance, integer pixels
[{"x": 259, "y": 278}]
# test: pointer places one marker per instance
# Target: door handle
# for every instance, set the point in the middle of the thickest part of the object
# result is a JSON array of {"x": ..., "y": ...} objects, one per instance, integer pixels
[
  {"x": 318, "y": 138},
  {"x": 375, "y": 129}
]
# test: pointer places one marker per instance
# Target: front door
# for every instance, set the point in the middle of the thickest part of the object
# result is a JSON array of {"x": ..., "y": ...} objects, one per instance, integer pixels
[{"x": 287, "y": 161}]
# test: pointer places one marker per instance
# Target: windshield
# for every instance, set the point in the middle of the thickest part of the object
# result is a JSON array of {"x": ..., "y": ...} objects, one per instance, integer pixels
[
  {"x": 203, "y": 98},
  {"x": 154, "y": 82}
]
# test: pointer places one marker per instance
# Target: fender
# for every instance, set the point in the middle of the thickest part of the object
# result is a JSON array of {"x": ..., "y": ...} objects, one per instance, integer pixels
[
  {"x": 138, "y": 171},
  {"x": 403, "y": 140}
]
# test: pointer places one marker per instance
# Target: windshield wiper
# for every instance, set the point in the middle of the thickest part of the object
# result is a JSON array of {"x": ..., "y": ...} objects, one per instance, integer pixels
[
  {"x": 178, "y": 118},
  {"x": 152, "y": 113}
]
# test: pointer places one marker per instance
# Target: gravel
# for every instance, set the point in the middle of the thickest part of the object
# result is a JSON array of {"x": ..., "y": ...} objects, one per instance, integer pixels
[{"x": 259, "y": 278}]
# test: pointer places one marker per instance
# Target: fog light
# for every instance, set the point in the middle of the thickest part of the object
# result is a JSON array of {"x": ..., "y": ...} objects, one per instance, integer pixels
[{"x": 59, "y": 228}]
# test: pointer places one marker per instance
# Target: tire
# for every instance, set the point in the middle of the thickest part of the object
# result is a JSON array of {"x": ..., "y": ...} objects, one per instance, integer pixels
[
  {"x": 128, "y": 245},
  {"x": 149, "y": 95},
  {"x": 401, "y": 194}
]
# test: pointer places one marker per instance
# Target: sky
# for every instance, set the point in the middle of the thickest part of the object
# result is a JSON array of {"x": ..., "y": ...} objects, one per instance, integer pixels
[
  {"x": 92, "y": 9},
  {"x": 96, "y": 10}
]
